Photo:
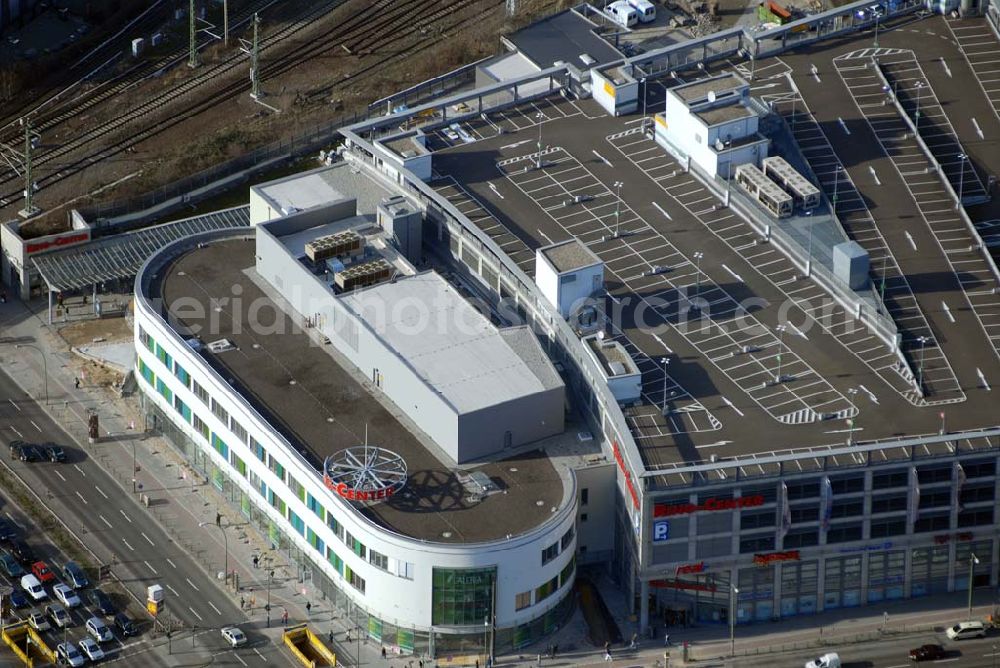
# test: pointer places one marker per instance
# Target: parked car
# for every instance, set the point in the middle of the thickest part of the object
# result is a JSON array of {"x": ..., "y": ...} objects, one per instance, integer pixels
[
  {"x": 69, "y": 655},
  {"x": 102, "y": 602},
  {"x": 964, "y": 630},
  {"x": 10, "y": 566},
  {"x": 30, "y": 453},
  {"x": 927, "y": 653},
  {"x": 42, "y": 571},
  {"x": 38, "y": 621},
  {"x": 91, "y": 649},
  {"x": 98, "y": 630},
  {"x": 54, "y": 453},
  {"x": 7, "y": 531},
  {"x": 234, "y": 636},
  {"x": 18, "y": 599},
  {"x": 15, "y": 449},
  {"x": 22, "y": 552},
  {"x": 75, "y": 577},
  {"x": 58, "y": 615},
  {"x": 126, "y": 627},
  {"x": 34, "y": 588},
  {"x": 829, "y": 660},
  {"x": 65, "y": 595}
]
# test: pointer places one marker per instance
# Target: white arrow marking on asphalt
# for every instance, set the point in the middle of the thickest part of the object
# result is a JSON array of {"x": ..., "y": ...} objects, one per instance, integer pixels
[
  {"x": 665, "y": 346},
  {"x": 660, "y": 209},
  {"x": 14, "y": 405},
  {"x": 127, "y": 545},
  {"x": 82, "y": 499},
  {"x": 125, "y": 516},
  {"x": 733, "y": 273},
  {"x": 106, "y": 522},
  {"x": 979, "y": 130},
  {"x": 982, "y": 379},
  {"x": 516, "y": 144},
  {"x": 947, "y": 70},
  {"x": 871, "y": 395},
  {"x": 188, "y": 580},
  {"x": 602, "y": 158},
  {"x": 100, "y": 491},
  {"x": 730, "y": 404},
  {"x": 195, "y": 614},
  {"x": 799, "y": 332},
  {"x": 150, "y": 567},
  {"x": 496, "y": 192},
  {"x": 147, "y": 538},
  {"x": 874, "y": 175},
  {"x": 909, "y": 238},
  {"x": 713, "y": 445},
  {"x": 80, "y": 470},
  {"x": 947, "y": 311},
  {"x": 212, "y": 605},
  {"x": 60, "y": 476},
  {"x": 843, "y": 125}
]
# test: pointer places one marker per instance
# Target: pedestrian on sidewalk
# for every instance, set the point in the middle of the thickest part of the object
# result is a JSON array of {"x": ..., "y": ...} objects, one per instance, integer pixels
[
  {"x": 309, "y": 607},
  {"x": 383, "y": 652},
  {"x": 555, "y": 650},
  {"x": 631, "y": 645},
  {"x": 666, "y": 640},
  {"x": 256, "y": 561},
  {"x": 607, "y": 655},
  {"x": 331, "y": 636},
  {"x": 243, "y": 603},
  {"x": 284, "y": 616},
  {"x": 76, "y": 383}
]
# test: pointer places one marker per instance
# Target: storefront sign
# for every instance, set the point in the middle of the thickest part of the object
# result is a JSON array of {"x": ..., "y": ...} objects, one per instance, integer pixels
[
  {"x": 628, "y": 476},
  {"x": 661, "y": 531},
  {"x": 57, "y": 242},
  {"x": 878, "y": 547},
  {"x": 682, "y": 584},
  {"x": 689, "y": 569},
  {"x": 768, "y": 559},
  {"x": 710, "y": 505},
  {"x": 352, "y": 494},
  {"x": 944, "y": 539}
]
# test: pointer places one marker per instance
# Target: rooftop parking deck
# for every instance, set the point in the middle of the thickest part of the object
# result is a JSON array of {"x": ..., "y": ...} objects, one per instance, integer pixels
[
  {"x": 321, "y": 407},
  {"x": 736, "y": 384}
]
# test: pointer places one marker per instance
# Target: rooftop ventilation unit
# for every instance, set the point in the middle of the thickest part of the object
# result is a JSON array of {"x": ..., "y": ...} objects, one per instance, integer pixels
[
  {"x": 341, "y": 244},
  {"x": 221, "y": 346},
  {"x": 363, "y": 275}
]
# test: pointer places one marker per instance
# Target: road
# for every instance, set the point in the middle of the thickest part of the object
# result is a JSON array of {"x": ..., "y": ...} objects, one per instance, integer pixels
[{"x": 120, "y": 531}]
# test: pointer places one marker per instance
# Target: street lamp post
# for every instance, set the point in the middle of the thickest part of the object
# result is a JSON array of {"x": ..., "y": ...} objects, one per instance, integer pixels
[
  {"x": 920, "y": 366},
  {"x": 45, "y": 366},
  {"x": 809, "y": 262},
  {"x": 733, "y": 591},
  {"x": 781, "y": 345},
  {"x": 267, "y": 605},
  {"x": 539, "y": 116},
  {"x": 618, "y": 207},
  {"x": 133, "y": 466},
  {"x": 642, "y": 82},
  {"x": 852, "y": 392},
  {"x": 973, "y": 560},
  {"x": 225, "y": 537},
  {"x": 665, "y": 363},
  {"x": 920, "y": 88},
  {"x": 836, "y": 183},
  {"x": 697, "y": 276},
  {"x": 876, "y": 29},
  {"x": 961, "y": 179}
]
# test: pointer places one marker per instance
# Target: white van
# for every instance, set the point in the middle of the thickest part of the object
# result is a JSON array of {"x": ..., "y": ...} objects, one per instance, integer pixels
[
  {"x": 30, "y": 584},
  {"x": 623, "y": 13},
  {"x": 645, "y": 9},
  {"x": 964, "y": 630}
]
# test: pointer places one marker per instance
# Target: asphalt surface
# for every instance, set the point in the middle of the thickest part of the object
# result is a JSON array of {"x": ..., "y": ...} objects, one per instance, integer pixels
[{"x": 121, "y": 532}]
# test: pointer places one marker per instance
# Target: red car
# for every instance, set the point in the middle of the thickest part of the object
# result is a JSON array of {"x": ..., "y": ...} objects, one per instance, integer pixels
[
  {"x": 927, "y": 653},
  {"x": 42, "y": 572}
]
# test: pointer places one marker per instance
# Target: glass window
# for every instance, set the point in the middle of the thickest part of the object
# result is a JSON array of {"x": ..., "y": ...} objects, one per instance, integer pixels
[
  {"x": 315, "y": 540},
  {"x": 378, "y": 560},
  {"x": 843, "y": 533},
  {"x": 979, "y": 468},
  {"x": 803, "y": 489},
  {"x": 335, "y": 561},
  {"x": 238, "y": 431},
  {"x": 847, "y": 508},
  {"x": 547, "y": 589},
  {"x": 182, "y": 375},
  {"x": 757, "y": 543},
  {"x": 462, "y": 597},
  {"x": 893, "y": 478},
  {"x": 220, "y": 446},
  {"x": 297, "y": 522},
  {"x": 522, "y": 600},
  {"x": 335, "y": 526},
  {"x": 976, "y": 517},
  {"x": 769, "y": 492},
  {"x": 145, "y": 339},
  {"x": 200, "y": 426},
  {"x": 804, "y": 512},
  {"x": 801, "y": 538},
  {"x": 297, "y": 488},
  {"x": 566, "y": 540},
  {"x": 847, "y": 484},
  {"x": 315, "y": 506},
  {"x": 164, "y": 356},
  {"x": 938, "y": 521},
  {"x": 258, "y": 450},
  {"x": 977, "y": 493},
  {"x": 182, "y": 408},
  {"x": 356, "y": 545},
  {"x": 756, "y": 520},
  {"x": 220, "y": 412},
  {"x": 276, "y": 467},
  {"x": 146, "y": 373},
  {"x": 238, "y": 464},
  {"x": 200, "y": 392},
  {"x": 550, "y": 553},
  {"x": 354, "y": 579},
  {"x": 584, "y": 499},
  {"x": 935, "y": 498},
  {"x": 889, "y": 503},
  {"x": 164, "y": 391},
  {"x": 404, "y": 569},
  {"x": 567, "y": 572},
  {"x": 888, "y": 527},
  {"x": 931, "y": 474}
]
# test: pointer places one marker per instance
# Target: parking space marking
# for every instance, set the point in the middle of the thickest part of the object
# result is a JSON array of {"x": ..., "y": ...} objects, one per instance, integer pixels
[{"x": 82, "y": 499}]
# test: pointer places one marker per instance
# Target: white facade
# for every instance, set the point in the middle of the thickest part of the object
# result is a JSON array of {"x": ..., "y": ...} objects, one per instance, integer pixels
[
  {"x": 401, "y": 593},
  {"x": 568, "y": 286}
]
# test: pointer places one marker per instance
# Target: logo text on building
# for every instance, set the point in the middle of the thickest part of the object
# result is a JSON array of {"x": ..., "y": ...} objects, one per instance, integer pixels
[
  {"x": 710, "y": 505},
  {"x": 773, "y": 557}
]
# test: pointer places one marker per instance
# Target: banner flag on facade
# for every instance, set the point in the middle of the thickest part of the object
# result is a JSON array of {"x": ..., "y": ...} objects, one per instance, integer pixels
[
  {"x": 914, "y": 509},
  {"x": 786, "y": 511},
  {"x": 827, "y": 494},
  {"x": 956, "y": 500}
]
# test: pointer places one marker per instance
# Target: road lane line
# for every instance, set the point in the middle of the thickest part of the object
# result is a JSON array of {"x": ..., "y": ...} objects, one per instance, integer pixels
[
  {"x": 35, "y": 426},
  {"x": 100, "y": 491},
  {"x": 172, "y": 564},
  {"x": 106, "y": 521},
  {"x": 125, "y": 516},
  {"x": 217, "y": 611},
  {"x": 909, "y": 238},
  {"x": 874, "y": 175},
  {"x": 60, "y": 476},
  {"x": 127, "y": 545},
  {"x": 660, "y": 209},
  {"x": 192, "y": 584},
  {"x": 260, "y": 655},
  {"x": 982, "y": 379},
  {"x": 731, "y": 405},
  {"x": 82, "y": 499},
  {"x": 238, "y": 657},
  {"x": 843, "y": 125},
  {"x": 193, "y": 612},
  {"x": 947, "y": 311},
  {"x": 19, "y": 434},
  {"x": 80, "y": 470},
  {"x": 147, "y": 538},
  {"x": 173, "y": 590},
  {"x": 150, "y": 567},
  {"x": 979, "y": 130},
  {"x": 733, "y": 273},
  {"x": 14, "y": 405}
]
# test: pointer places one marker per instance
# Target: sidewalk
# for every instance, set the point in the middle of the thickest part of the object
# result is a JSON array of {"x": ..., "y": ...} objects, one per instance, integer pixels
[{"x": 182, "y": 499}]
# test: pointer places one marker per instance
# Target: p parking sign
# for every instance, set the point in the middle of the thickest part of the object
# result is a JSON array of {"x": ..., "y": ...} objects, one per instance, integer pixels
[{"x": 661, "y": 530}]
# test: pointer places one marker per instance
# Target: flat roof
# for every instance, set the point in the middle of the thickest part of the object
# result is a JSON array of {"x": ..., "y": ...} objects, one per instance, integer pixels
[
  {"x": 569, "y": 255},
  {"x": 328, "y": 408},
  {"x": 450, "y": 344},
  {"x": 730, "y": 112},
  {"x": 324, "y": 185},
  {"x": 565, "y": 36},
  {"x": 609, "y": 353},
  {"x": 699, "y": 89}
]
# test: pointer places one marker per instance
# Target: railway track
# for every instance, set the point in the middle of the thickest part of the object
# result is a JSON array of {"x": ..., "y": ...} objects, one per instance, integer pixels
[{"x": 362, "y": 34}]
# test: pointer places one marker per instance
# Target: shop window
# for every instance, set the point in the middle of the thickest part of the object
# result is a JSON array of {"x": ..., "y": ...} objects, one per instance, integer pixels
[
  {"x": 462, "y": 597},
  {"x": 889, "y": 479},
  {"x": 843, "y": 533},
  {"x": 522, "y": 600},
  {"x": 889, "y": 503}
]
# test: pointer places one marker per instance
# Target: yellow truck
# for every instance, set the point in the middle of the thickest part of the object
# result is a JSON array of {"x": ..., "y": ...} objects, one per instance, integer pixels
[
  {"x": 27, "y": 645},
  {"x": 307, "y": 647}
]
